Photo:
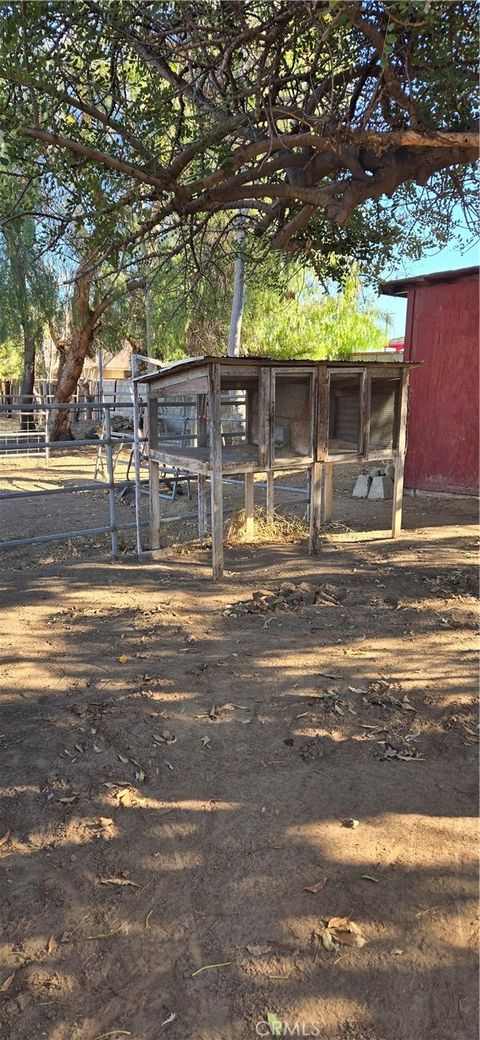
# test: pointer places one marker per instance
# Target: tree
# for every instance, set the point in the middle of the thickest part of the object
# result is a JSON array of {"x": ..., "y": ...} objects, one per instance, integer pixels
[
  {"x": 287, "y": 311},
  {"x": 302, "y": 322},
  {"x": 95, "y": 293},
  {"x": 304, "y": 114},
  {"x": 28, "y": 291}
]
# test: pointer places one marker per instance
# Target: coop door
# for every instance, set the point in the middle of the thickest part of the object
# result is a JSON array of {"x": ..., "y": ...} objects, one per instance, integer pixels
[
  {"x": 240, "y": 415},
  {"x": 344, "y": 418},
  {"x": 384, "y": 409},
  {"x": 293, "y": 423}
]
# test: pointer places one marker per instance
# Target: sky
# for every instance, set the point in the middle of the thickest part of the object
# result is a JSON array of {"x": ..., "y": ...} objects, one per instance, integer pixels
[{"x": 448, "y": 259}]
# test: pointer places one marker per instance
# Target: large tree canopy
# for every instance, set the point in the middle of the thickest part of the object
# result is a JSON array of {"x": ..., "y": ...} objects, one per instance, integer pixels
[{"x": 308, "y": 116}]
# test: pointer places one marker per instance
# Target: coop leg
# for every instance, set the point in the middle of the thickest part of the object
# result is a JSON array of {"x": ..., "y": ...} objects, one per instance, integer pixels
[
  {"x": 202, "y": 506},
  {"x": 315, "y": 506},
  {"x": 327, "y": 493},
  {"x": 397, "y": 496},
  {"x": 154, "y": 486},
  {"x": 216, "y": 492},
  {"x": 270, "y": 496},
  {"x": 249, "y": 508},
  {"x": 216, "y": 486}
]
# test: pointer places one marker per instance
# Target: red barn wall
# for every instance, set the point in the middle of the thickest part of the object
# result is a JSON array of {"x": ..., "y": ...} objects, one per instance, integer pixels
[{"x": 443, "y": 418}]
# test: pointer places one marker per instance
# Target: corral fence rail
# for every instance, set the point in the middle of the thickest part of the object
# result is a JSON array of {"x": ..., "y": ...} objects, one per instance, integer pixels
[{"x": 37, "y": 441}]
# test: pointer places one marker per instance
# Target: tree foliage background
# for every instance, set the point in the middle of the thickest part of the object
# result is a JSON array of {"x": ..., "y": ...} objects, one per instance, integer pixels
[{"x": 345, "y": 131}]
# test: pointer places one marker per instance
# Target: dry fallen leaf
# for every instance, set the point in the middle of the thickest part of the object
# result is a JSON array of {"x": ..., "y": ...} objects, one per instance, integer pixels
[
  {"x": 346, "y": 932},
  {"x": 317, "y": 887},
  {"x": 8, "y": 982},
  {"x": 123, "y": 659},
  {"x": 122, "y": 758},
  {"x": 67, "y": 801},
  {"x": 165, "y": 737},
  {"x": 171, "y": 1018},
  {"x": 119, "y": 881},
  {"x": 52, "y": 944}
]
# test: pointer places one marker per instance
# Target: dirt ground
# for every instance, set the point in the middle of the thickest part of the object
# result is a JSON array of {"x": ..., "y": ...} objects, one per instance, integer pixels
[{"x": 178, "y": 771}]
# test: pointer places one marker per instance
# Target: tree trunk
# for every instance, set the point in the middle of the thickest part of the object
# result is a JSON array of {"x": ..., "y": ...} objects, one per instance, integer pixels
[
  {"x": 236, "y": 315},
  {"x": 59, "y": 424},
  {"x": 7, "y": 397},
  {"x": 71, "y": 362},
  {"x": 27, "y": 418}
]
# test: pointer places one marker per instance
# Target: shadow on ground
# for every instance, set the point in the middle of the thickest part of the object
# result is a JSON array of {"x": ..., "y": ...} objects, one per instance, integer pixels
[{"x": 176, "y": 777}]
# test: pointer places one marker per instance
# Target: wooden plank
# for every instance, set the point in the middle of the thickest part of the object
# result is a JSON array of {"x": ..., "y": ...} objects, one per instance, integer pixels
[
  {"x": 249, "y": 506},
  {"x": 174, "y": 461},
  {"x": 348, "y": 456},
  {"x": 202, "y": 429},
  {"x": 327, "y": 492},
  {"x": 152, "y": 422},
  {"x": 323, "y": 407},
  {"x": 316, "y": 474},
  {"x": 397, "y": 503},
  {"x": 284, "y": 370},
  {"x": 366, "y": 401},
  {"x": 181, "y": 383},
  {"x": 270, "y": 496},
  {"x": 264, "y": 417},
  {"x": 154, "y": 497},
  {"x": 216, "y": 488},
  {"x": 202, "y": 506}
]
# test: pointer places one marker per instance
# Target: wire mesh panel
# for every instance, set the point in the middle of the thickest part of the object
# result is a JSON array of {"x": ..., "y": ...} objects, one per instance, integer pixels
[
  {"x": 293, "y": 423},
  {"x": 240, "y": 416},
  {"x": 344, "y": 413},
  {"x": 384, "y": 407}
]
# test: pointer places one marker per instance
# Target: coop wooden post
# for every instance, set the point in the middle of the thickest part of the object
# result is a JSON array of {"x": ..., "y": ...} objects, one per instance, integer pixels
[
  {"x": 153, "y": 474},
  {"x": 202, "y": 436},
  {"x": 202, "y": 505},
  {"x": 366, "y": 405},
  {"x": 327, "y": 492},
  {"x": 249, "y": 506},
  {"x": 270, "y": 496},
  {"x": 400, "y": 458},
  {"x": 216, "y": 487},
  {"x": 316, "y": 474},
  {"x": 264, "y": 417},
  {"x": 323, "y": 410}
]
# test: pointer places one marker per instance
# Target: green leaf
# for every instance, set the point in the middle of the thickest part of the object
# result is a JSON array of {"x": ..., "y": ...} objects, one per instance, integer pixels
[
  {"x": 274, "y": 1023},
  {"x": 327, "y": 940}
]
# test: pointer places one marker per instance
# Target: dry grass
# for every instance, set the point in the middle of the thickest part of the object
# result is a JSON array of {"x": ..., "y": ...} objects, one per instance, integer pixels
[{"x": 282, "y": 529}]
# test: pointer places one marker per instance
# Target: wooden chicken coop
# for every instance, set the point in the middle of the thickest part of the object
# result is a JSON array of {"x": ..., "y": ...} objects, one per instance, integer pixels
[{"x": 249, "y": 415}]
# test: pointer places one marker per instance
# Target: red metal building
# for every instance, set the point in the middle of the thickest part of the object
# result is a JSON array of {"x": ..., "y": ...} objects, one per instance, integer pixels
[{"x": 442, "y": 329}]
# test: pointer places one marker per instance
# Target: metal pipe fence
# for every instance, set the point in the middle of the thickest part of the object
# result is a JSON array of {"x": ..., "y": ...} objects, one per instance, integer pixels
[
  {"x": 37, "y": 441},
  {"x": 108, "y": 441}
]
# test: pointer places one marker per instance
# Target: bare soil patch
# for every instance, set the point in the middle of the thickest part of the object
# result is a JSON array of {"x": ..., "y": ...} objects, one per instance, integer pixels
[{"x": 180, "y": 768}]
